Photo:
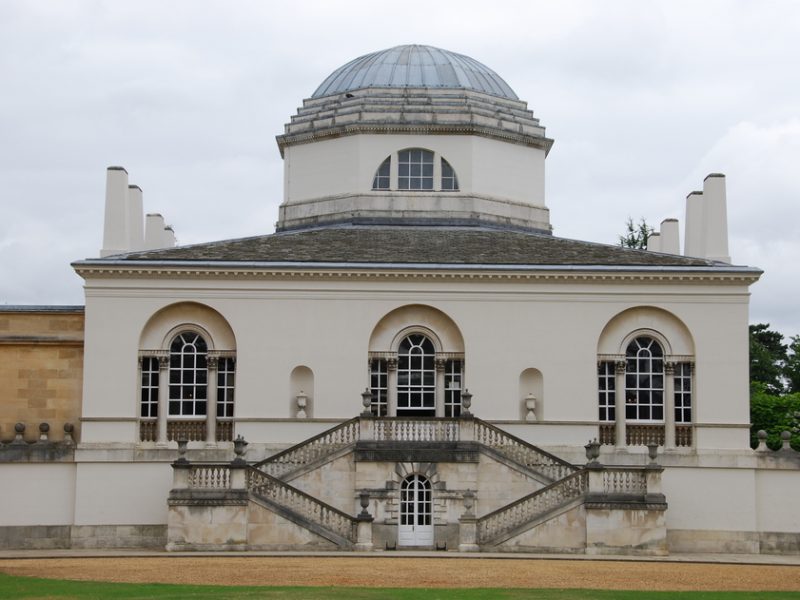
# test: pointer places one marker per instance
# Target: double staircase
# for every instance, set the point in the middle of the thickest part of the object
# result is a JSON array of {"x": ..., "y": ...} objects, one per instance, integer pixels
[{"x": 559, "y": 485}]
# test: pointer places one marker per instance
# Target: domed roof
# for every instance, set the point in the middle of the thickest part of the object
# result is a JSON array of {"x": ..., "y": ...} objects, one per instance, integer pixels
[{"x": 415, "y": 66}]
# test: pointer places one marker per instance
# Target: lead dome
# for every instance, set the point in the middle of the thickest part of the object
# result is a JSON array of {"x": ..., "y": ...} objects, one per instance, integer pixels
[
  {"x": 413, "y": 66},
  {"x": 414, "y": 135}
]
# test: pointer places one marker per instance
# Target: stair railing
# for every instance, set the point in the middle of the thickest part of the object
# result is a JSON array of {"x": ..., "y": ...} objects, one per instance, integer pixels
[
  {"x": 320, "y": 513},
  {"x": 522, "y": 452},
  {"x": 311, "y": 450},
  {"x": 508, "y": 518}
]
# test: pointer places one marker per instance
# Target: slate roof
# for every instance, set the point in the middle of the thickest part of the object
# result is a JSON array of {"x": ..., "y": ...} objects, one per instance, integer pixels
[{"x": 462, "y": 246}]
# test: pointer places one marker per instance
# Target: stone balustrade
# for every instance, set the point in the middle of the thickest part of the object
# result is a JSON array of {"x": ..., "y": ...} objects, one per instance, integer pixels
[
  {"x": 683, "y": 436},
  {"x": 521, "y": 451},
  {"x": 148, "y": 430},
  {"x": 506, "y": 520},
  {"x": 308, "y": 507},
  {"x": 623, "y": 480},
  {"x": 224, "y": 430},
  {"x": 209, "y": 476},
  {"x": 311, "y": 450},
  {"x": 190, "y": 430},
  {"x": 644, "y": 435},
  {"x": 417, "y": 430},
  {"x": 637, "y": 434}
]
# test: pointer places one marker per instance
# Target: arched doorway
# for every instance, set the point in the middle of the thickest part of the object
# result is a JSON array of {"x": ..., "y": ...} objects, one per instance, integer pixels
[{"x": 416, "y": 512}]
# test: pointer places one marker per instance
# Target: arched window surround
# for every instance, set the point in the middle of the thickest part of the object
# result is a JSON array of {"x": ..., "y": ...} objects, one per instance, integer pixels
[
  {"x": 389, "y": 375},
  {"x": 161, "y": 420},
  {"x": 618, "y": 424},
  {"x": 399, "y": 172}
]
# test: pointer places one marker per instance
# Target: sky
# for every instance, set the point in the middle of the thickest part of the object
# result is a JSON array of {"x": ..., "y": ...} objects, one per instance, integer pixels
[{"x": 643, "y": 100}]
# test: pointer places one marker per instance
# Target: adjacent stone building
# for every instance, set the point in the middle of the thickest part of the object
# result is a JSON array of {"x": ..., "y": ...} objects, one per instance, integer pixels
[{"x": 413, "y": 359}]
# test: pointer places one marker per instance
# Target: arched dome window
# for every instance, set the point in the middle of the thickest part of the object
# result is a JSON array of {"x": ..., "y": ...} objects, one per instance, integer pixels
[
  {"x": 415, "y": 169},
  {"x": 381, "y": 180},
  {"x": 449, "y": 179},
  {"x": 418, "y": 170}
]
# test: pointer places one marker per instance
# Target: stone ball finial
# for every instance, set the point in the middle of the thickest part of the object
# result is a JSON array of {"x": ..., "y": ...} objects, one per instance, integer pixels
[
  {"x": 44, "y": 427},
  {"x": 19, "y": 430},
  {"x": 69, "y": 428},
  {"x": 762, "y": 441},
  {"x": 786, "y": 439}
]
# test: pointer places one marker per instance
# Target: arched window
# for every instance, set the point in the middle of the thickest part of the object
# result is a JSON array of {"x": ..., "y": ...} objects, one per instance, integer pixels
[
  {"x": 415, "y": 169},
  {"x": 188, "y": 375},
  {"x": 381, "y": 180},
  {"x": 644, "y": 380},
  {"x": 415, "y": 172},
  {"x": 416, "y": 377},
  {"x": 449, "y": 179}
]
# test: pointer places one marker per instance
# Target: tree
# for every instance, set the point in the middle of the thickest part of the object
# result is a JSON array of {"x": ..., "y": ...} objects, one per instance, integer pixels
[
  {"x": 773, "y": 414},
  {"x": 768, "y": 357},
  {"x": 636, "y": 235},
  {"x": 791, "y": 368}
]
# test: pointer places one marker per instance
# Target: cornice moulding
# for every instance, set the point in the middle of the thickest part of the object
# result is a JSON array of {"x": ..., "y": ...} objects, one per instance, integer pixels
[{"x": 357, "y": 271}]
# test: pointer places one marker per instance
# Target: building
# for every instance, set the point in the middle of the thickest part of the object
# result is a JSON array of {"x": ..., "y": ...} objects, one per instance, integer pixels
[{"x": 413, "y": 358}]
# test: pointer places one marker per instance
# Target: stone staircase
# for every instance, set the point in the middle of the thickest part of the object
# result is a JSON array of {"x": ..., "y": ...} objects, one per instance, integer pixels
[
  {"x": 561, "y": 485},
  {"x": 303, "y": 509}
]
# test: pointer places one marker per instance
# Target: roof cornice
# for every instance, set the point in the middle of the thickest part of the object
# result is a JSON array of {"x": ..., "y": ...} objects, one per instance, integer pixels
[
  {"x": 497, "y": 133},
  {"x": 252, "y": 270}
]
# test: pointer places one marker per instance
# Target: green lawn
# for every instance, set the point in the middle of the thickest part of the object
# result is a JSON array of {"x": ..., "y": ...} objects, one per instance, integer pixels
[{"x": 41, "y": 589}]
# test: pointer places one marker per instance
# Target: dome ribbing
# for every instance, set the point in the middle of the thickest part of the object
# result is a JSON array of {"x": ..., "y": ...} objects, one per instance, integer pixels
[{"x": 415, "y": 66}]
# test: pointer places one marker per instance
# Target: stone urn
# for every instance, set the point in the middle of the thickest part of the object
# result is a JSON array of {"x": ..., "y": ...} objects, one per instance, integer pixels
[
  {"x": 530, "y": 406},
  {"x": 302, "y": 402}
]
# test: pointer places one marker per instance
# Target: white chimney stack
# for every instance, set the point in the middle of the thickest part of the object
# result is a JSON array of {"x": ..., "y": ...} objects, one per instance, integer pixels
[
  {"x": 715, "y": 218},
  {"x": 156, "y": 234},
  {"x": 707, "y": 221},
  {"x": 654, "y": 242},
  {"x": 135, "y": 218},
  {"x": 693, "y": 238},
  {"x": 169, "y": 237},
  {"x": 670, "y": 237},
  {"x": 115, "y": 236},
  {"x": 125, "y": 229}
]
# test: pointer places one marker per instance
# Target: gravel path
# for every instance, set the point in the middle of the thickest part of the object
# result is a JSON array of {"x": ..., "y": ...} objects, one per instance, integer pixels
[{"x": 398, "y": 571}]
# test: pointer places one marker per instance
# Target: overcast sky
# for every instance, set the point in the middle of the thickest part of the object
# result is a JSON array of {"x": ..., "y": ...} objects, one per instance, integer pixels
[{"x": 643, "y": 100}]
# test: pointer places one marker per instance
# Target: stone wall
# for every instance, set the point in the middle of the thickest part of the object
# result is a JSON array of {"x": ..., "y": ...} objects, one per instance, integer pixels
[{"x": 41, "y": 370}]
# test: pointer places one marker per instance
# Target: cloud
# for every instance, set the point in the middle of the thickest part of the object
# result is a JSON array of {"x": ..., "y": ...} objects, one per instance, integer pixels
[{"x": 643, "y": 100}]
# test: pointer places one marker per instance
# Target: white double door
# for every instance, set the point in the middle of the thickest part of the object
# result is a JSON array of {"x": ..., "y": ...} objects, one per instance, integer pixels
[{"x": 416, "y": 512}]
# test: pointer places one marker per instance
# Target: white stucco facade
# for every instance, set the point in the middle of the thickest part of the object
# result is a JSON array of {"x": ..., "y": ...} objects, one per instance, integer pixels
[{"x": 414, "y": 281}]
